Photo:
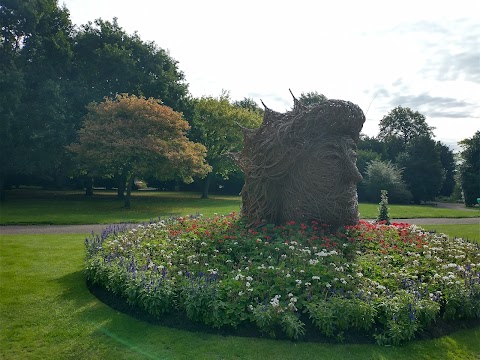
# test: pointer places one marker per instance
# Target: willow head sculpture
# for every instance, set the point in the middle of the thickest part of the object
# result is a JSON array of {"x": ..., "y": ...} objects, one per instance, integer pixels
[{"x": 301, "y": 165}]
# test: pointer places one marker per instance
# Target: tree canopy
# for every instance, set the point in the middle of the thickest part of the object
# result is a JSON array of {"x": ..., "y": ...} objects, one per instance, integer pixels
[
  {"x": 423, "y": 172},
  {"x": 405, "y": 124},
  {"x": 35, "y": 64},
  {"x": 217, "y": 124},
  {"x": 109, "y": 62},
  {"x": 311, "y": 98},
  {"x": 470, "y": 169},
  {"x": 138, "y": 137}
]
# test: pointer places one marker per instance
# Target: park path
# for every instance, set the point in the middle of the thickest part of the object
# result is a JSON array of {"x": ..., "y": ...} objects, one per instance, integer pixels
[{"x": 97, "y": 228}]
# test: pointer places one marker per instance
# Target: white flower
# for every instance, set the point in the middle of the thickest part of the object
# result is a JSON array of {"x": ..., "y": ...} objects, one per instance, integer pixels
[
  {"x": 328, "y": 285},
  {"x": 275, "y": 301},
  {"x": 249, "y": 278},
  {"x": 288, "y": 275},
  {"x": 315, "y": 277}
]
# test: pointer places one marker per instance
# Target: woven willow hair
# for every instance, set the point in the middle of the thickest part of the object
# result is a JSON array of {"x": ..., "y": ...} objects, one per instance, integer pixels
[{"x": 300, "y": 165}]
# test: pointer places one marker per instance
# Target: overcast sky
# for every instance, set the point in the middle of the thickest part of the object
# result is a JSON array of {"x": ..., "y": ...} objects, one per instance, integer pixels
[{"x": 378, "y": 54}]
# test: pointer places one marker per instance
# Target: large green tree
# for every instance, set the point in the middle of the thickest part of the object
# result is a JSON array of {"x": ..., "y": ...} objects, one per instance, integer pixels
[
  {"x": 470, "y": 169},
  {"x": 405, "y": 124},
  {"x": 399, "y": 127},
  {"x": 448, "y": 164},
  {"x": 423, "y": 171},
  {"x": 138, "y": 137},
  {"x": 35, "y": 64},
  {"x": 110, "y": 61},
  {"x": 217, "y": 123}
]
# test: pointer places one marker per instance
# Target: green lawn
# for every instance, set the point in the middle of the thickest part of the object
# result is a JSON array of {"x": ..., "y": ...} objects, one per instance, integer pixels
[
  {"x": 72, "y": 207},
  {"x": 46, "y": 312},
  {"x": 470, "y": 231}
]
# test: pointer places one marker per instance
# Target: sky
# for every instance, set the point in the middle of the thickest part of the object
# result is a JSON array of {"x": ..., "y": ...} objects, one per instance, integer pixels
[{"x": 420, "y": 54}]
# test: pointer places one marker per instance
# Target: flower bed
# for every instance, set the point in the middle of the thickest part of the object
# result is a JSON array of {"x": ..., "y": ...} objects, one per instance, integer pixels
[{"x": 386, "y": 281}]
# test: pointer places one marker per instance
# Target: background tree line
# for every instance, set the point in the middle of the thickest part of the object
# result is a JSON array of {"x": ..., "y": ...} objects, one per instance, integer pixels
[{"x": 51, "y": 71}]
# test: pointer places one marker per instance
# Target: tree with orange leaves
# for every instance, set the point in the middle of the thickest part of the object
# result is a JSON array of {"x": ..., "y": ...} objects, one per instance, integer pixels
[{"x": 131, "y": 136}]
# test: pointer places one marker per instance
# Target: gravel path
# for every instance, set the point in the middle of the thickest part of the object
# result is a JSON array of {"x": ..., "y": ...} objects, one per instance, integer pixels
[{"x": 87, "y": 229}]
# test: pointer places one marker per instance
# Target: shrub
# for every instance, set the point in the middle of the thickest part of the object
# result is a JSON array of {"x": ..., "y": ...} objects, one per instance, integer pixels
[
  {"x": 383, "y": 208},
  {"x": 388, "y": 281},
  {"x": 381, "y": 175}
]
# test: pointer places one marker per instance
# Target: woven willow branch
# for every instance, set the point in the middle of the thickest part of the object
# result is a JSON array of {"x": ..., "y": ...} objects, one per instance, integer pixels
[{"x": 301, "y": 165}]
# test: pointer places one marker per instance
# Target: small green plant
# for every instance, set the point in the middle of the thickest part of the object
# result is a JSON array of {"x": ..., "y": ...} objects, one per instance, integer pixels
[{"x": 383, "y": 216}]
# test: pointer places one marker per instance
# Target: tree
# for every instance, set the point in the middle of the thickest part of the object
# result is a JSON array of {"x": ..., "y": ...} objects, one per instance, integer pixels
[
  {"x": 138, "y": 137},
  {"x": 448, "y": 164},
  {"x": 110, "y": 62},
  {"x": 35, "y": 51},
  {"x": 217, "y": 124},
  {"x": 405, "y": 124},
  {"x": 249, "y": 104},
  {"x": 383, "y": 175},
  {"x": 470, "y": 169},
  {"x": 311, "y": 98},
  {"x": 423, "y": 172}
]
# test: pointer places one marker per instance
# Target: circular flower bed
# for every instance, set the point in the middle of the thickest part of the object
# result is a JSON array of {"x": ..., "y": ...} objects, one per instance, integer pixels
[{"x": 388, "y": 281}]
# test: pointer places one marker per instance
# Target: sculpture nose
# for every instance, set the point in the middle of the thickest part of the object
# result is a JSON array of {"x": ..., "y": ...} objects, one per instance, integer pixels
[{"x": 352, "y": 174}]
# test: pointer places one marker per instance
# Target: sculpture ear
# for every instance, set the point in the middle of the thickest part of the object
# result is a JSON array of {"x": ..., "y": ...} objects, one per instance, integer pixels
[
  {"x": 297, "y": 105},
  {"x": 270, "y": 116}
]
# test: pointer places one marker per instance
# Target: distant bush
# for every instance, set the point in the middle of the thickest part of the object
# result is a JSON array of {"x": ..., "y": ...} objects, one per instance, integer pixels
[{"x": 381, "y": 175}]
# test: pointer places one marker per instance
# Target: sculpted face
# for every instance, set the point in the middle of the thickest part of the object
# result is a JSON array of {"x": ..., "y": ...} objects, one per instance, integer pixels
[
  {"x": 333, "y": 194},
  {"x": 301, "y": 165}
]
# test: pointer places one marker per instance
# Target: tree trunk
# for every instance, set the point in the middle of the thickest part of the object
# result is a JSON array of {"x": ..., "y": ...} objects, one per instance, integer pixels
[
  {"x": 129, "y": 191},
  {"x": 206, "y": 185},
  {"x": 3, "y": 194},
  {"x": 89, "y": 186},
  {"x": 121, "y": 180}
]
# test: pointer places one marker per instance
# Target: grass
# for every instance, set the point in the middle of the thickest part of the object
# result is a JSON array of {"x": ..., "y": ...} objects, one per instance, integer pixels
[
  {"x": 46, "y": 311},
  {"x": 465, "y": 231},
  {"x": 26, "y": 206}
]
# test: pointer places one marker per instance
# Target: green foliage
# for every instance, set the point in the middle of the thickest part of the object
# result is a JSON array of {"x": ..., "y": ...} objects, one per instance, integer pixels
[
  {"x": 339, "y": 314},
  {"x": 35, "y": 68},
  {"x": 470, "y": 169},
  {"x": 383, "y": 208},
  {"x": 311, "y": 98},
  {"x": 249, "y": 104},
  {"x": 386, "y": 281},
  {"x": 448, "y": 164},
  {"x": 217, "y": 124},
  {"x": 112, "y": 62},
  {"x": 423, "y": 172},
  {"x": 364, "y": 157},
  {"x": 405, "y": 124},
  {"x": 137, "y": 137},
  {"x": 380, "y": 175}
]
